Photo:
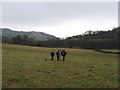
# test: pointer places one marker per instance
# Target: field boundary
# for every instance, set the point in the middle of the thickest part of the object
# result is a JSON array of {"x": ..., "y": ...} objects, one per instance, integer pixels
[{"x": 107, "y": 52}]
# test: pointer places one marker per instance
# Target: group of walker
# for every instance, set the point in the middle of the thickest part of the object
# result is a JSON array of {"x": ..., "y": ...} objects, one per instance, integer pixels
[{"x": 58, "y": 54}]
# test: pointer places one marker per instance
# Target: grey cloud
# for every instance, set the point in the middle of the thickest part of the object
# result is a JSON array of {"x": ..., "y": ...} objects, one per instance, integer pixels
[{"x": 54, "y": 12}]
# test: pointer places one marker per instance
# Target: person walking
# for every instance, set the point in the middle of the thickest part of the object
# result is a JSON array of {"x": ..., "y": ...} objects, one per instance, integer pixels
[
  {"x": 52, "y": 55},
  {"x": 63, "y": 53},
  {"x": 58, "y": 55}
]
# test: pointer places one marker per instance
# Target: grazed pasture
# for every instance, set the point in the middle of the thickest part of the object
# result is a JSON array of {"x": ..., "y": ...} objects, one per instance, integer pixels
[{"x": 30, "y": 67}]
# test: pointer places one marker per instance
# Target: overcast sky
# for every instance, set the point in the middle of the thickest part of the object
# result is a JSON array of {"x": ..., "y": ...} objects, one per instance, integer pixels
[{"x": 61, "y": 19}]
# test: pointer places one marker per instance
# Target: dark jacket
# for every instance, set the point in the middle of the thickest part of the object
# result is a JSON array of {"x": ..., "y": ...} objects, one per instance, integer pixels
[
  {"x": 63, "y": 53},
  {"x": 52, "y": 53}
]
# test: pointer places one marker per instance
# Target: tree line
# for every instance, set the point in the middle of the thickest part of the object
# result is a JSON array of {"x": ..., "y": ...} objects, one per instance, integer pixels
[{"x": 88, "y": 40}]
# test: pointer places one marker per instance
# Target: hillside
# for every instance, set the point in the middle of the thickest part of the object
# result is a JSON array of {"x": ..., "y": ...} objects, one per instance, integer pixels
[
  {"x": 38, "y": 36},
  {"x": 88, "y": 40},
  {"x": 95, "y": 39},
  {"x": 110, "y": 34}
]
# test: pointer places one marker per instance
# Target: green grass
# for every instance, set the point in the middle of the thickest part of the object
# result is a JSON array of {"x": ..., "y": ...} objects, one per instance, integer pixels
[
  {"x": 25, "y": 67},
  {"x": 112, "y": 50}
]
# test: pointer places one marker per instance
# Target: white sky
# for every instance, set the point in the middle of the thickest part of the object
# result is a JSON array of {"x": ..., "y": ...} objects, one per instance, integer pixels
[{"x": 61, "y": 19}]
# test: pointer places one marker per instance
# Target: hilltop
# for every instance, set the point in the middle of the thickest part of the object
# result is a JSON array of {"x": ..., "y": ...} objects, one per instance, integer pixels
[{"x": 37, "y": 36}]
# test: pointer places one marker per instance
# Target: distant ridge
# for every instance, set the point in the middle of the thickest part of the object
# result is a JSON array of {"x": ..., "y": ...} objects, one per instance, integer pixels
[{"x": 38, "y": 36}]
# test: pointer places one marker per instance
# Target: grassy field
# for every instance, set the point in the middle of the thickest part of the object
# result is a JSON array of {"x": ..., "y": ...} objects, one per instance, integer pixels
[
  {"x": 30, "y": 67},
  {"x": 112, "y": 50}
]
